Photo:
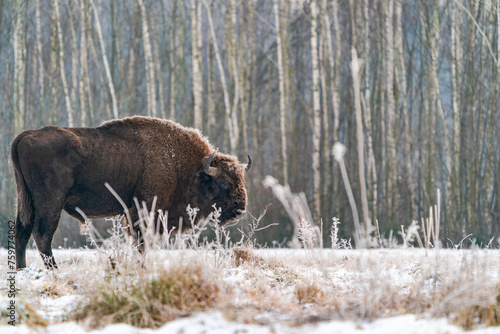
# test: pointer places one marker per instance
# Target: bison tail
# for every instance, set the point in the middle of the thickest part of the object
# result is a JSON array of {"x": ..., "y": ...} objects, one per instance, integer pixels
[{"x": 24, "y": 203}]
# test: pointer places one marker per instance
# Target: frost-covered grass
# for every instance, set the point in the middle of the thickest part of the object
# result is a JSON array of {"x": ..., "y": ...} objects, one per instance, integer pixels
[
  {"x": 183, "y": 277},
  {"x": 282, "y": 289}
]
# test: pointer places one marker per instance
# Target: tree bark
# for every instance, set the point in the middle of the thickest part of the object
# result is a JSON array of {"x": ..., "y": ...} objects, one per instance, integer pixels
[
  {"x": 105, "y": 60},
  {"x": 172, "y": 59},
  {"x": 355, "y": 70},
  {"x": 158, "y": 69},
  {"x": 233, "y": 132},
  {"x": 284, "y": 160},
  {"x": 233, "y": 54},
  {"x": 316, "y": 116},
  {"x": 69, "y": 106},
  {"x": 391, "y": 118},
  {"x": 336, "y": 85},
  {"x": 197, "y": 75},
  {"x": 19, "y": 69},
  {"x": 39, "y": 54},
  {"x": 150, "y": 68}
]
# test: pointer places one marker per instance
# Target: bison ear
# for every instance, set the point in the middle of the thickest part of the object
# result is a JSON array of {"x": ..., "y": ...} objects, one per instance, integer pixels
[
  {"x": 249, "y": 164},
  {"x": 209, "y": 170}
]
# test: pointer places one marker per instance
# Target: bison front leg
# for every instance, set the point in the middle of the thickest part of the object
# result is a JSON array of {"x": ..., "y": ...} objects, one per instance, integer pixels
[
  {"x": 134, "y": 229},
  {"x": 43, "y": 233}
]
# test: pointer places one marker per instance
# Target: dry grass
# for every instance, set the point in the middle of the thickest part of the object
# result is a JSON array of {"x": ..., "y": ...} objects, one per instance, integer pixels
[
  {"x": 145, "y": 301},
  {"x": 485, "y": 313},
  {"x": 177, "y": 276},
  {"x": 264, "y": 286}
]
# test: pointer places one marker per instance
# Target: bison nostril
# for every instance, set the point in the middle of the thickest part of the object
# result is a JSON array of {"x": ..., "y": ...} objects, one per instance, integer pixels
[{"x": 239, "y": 213}]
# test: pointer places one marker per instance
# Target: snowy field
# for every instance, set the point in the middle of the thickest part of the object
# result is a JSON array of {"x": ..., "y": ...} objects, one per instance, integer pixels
[{"x": 242, "y": 290}]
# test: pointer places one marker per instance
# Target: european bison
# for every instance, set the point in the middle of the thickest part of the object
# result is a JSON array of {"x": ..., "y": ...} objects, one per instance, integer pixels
[{"x": 59, "y": 168}]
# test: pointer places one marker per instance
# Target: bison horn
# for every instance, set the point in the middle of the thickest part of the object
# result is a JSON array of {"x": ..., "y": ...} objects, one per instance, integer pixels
[
  {"x": 209, "y": 170},
  {"x": 249, "y": 164}
]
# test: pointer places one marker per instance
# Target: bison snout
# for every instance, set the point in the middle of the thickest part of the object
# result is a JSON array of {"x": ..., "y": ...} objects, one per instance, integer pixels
[{"x": 239, "y": 213}]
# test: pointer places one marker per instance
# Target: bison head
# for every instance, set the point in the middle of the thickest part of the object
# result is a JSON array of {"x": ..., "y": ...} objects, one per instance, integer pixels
[{"x": 221, "y": 181}]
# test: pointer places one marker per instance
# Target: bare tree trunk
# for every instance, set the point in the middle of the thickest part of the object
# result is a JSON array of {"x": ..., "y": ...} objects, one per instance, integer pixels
[
  {"x": 71, "y": 121},
  {"x": 371, "y": 166},
  {"x": 391, "y": 118},
  {"x": 325, "y": 129},
  {"x": 336, "y": 85},
  {"x": 253, "y": 57},
  {"x": 233, "y": 132},
  {"x": 107, "y": 109},
  {"x": 326, "y": 43},
  {"x": 245, "y": 79},
  {"x": 19, "y": 69},
  {"x": 365, "y": 102},
  {"x": 74, "y": 64},
  {"x": 172, "y": 59},
  {"x": 455, "y": 75},
  {"x": 355, "y": 70},
  {"x": 210, "y": 89},
  {"x": 53, "y": 70},
  {"x": 158, "y": 69},
  {"x": 39, "y": 52},
  {"x": 401, "y": 77},
  {"x": 435, "y": 94},
  {"x": 150, "y": 68},
  {"x": 197, "y": 76},
  {"x": 316, "y": 114},
  {"x": 235, "y": 70},
  {"x": 83, "y": 65},
  {"x": 279, "y": 51},
  {"x": 105, "y": 60}
]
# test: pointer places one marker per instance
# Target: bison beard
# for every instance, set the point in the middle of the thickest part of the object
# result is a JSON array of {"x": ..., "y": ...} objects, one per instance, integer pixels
[{"x": 58, "y": 168}]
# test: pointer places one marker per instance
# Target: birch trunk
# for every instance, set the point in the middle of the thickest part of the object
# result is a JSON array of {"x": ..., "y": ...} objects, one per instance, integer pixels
[
  {"x": 245, "y": 79},
  {"x": 74, "y": 63},
  {"x": 316, "y": 114},
  {"x": 355, "y": 70},
  {"x": 389, "y": 71},
  {"x": 158, "y": 69},
  {"x": 197, "y": 76},
  {"x": 71, "y": 122},
  {"x": 284, "y": 159},
  {"x": 326, "y": 52},
  {"x": 336, "y": 85},
  {"x": 371, "y": 166},
  {"x": 210, "y": 89},
  {"x": 83, "y": 65},
  {"x": 53, "y": 69},
  {"x": 365, "y": 101},
  {"x": 404, "y": 110},
  {"x": 105, "y": 61},
  {"x": 19, "y": 69},
  {"x": 325, "y": 139},
  {"x": 455, "y": 75},
  {"x": 39, "y": 54},
  {"x": 253, "y": 57},
  {"x": 236, "y": 78},
  {"x": 150, "y": 68},
  {"x": 173, "y": 67},
  {"x": 435, "y": 94},
  {"x": 232, "y": 131}
]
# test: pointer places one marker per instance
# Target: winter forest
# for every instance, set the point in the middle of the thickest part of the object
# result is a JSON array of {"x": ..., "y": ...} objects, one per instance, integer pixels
[{"x": 278, "y": 79}]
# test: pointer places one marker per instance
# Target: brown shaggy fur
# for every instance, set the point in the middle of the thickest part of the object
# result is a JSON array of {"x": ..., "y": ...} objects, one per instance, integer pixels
[{"x": 59, "y": 168}]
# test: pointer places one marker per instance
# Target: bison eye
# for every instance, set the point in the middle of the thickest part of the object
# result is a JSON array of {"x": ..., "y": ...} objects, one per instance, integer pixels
[{"x": 222, "y": 185}]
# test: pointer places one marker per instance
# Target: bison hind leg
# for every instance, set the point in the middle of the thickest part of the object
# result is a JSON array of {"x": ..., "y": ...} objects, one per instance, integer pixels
[
  {"x": 23, "y": 234},
  {"x": 43, "y": 233}
]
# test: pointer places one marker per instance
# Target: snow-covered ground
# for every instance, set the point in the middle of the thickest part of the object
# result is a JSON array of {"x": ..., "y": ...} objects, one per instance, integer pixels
[
  {"x": 279, "y": 291},
  {"x": 215, "y": 323}
]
